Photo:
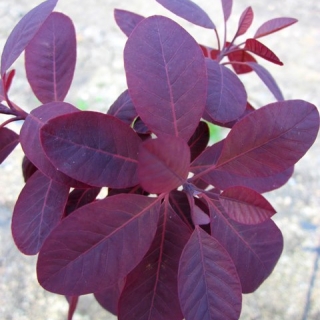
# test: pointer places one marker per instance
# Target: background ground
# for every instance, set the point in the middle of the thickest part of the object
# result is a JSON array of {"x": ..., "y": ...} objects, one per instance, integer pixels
[{"x": 293, "y": 290}]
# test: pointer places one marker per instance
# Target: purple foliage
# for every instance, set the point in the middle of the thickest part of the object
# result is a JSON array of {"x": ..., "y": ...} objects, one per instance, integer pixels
[{"x": 184, "y": 229}]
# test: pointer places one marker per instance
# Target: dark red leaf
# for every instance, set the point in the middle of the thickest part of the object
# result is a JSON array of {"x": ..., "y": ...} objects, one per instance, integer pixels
[
  {"x": 8, "y": 141},
  {"x": 245, "y": 21},
  {"x": 274, "y": 25},
  {"x": 73, "y": 302},
  {"x": 267, "y": 79},
  {"x": 199, "y": 140},
  {"x": 254, "y": 249},
  {"x": 188, "y": 10},
  {"x": 109, "y": 297},
  {"x": 132, "y": 190},
  {"x": 166, "y": 76},
  {"x": 23, "y": 32},
  {"x": 31, "y": 145},
  {"x": 276, "y": 136},
  {"x": 209, "y": 52},
  {"x": 97, "y": 252},
  {"x": 163, "y": 164},
  {"x": 151, "y": 290},
  {"x": 240, "y": 56},
  {"x": 50, "y": 58},
  {"x": 224, "y": 180},
  {"x": 140, "y": 127},
  {"x": 105, "y": 154},
  {"x": 28, "y": 168},
  {"x": 261, "y": 50},
  {"x": 226, "y": 7},
  {"x": 123, "y": 108},
  {"x": 80, "y": 197},
  {"x": 209, "y": 287},
  {"x": 227, "y": 97},
  {"x": 37, "y": 212},
  {"x": 8, "y": 79},
  {"x": 127, "y": 20},
  {"x": 245, "y": 205}
]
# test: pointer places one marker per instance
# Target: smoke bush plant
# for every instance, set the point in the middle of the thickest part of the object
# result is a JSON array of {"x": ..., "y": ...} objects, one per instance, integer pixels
[{"x": 184, "y": 229}]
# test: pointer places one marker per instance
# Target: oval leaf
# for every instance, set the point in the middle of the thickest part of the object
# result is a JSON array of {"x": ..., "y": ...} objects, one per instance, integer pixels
[
  {"x": 246, "y": 206},
  {"x": 8, "y": 141},
  {"x": 37, "y": 212},
  {"x": 23, "y": 32},
  {"x": 166, "y": 76},
  {"x": 276, "y": 137},
  {"x": 51, "y": 58},
  {"x": 31, "y": 145},
  {"x": 105, "y": 154},
  {"x": 262, "y": 51},
  {"x": 151, "y": 290},
  {"x": 209, "y": 286},
  {"x": 227, "y": 8},
  {"x": 127, "y": 20},
  {"x": 245, "y": 21},
  {"x": 163, "y": 164},
  {"x": 227, "y": 98},
  {"x": 188, "y": 10},
  {"x": 274, "y": 25},
  {"x": 102, "y": 242}
]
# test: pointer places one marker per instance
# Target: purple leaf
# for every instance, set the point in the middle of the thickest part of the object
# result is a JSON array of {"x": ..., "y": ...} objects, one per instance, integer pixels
[
  {"x": 127, "y": 20},
  {"x": 166, "y": 76},
  {"x": 261, "y": 50},
  {"x": 163, "y": 164},
  {"x": 98, "y": 251},
  {"x": 8, "y": 141},
  {"x": 51, "y": 58},
  {"x": 199, "y": 140},
  {"x": 37, "y": 212},
  {"x": 227, "y": 98},
  {"x": 245, "y": 21},
  {"x": 28, "y": 168},
  {"x": 199, "y": 217},
  {"x": 23, "y": 32},
  {"x": 267, "y": 79},
  {"x": 245, "y": 205},
  {"x": 276, "y": 136},
  {"x": 109, "y": 297},
  {"x": 209, "y": 286},
  {"x": 189, "y": 11},
  {"x": 30, "y": 140},
  {"x": 274, "y": 25},
  {"x": 151, "y": 290},
  {"x": 224, "y": 180},
  {"x": 226, "y": 7},
  {"x": 105, "y": 154},
  {"x": 240, "y": 56},
  {"x": 123, "y": 108},
  {"x": 254, "y": 249}
]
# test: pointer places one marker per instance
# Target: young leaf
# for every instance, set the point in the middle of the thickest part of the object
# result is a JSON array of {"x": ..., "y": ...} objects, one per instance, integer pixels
[
  {"x": 166, "y": 76},
  {"x": 199, "y": 140},
  {"x": 8, "y": 141},
  {"x": 98, "y": 251},
  {"x": 123, "y": 108},
  {"x": 226, "y": 7},
  {"x": 261, "y": 50},
  {"x": 163, "y": 164},
  {"x": 227, "y": 98},
  {"x": 151, "y": 290},
  {"x": 267, "y": 79},
  {"x": 254, "y": 249},
  {"x": 190, "y": 11},
  {"x": 109, "y": 297},
  {"x": 209, "y": 52},
  {"x": 31, "y": 145},
  {"x": 245, "y": 21},
  {"x": 50, "y": 58},
  {"x": 126, "y": 20},
  {"x": 246, "y": 206},
  {"x": 274, "y": 25},
  {"x": 37, "y": 212},
  {"x": 105, "y": 154},
  {"x": 23, "y": 32},
  {"x": 209, "y": 287},
  {"x": 276, "y": 136}
]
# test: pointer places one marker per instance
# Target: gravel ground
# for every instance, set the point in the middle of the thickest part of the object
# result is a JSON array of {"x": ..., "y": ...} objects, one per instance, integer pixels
[{"x": 293, "y": 290}]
